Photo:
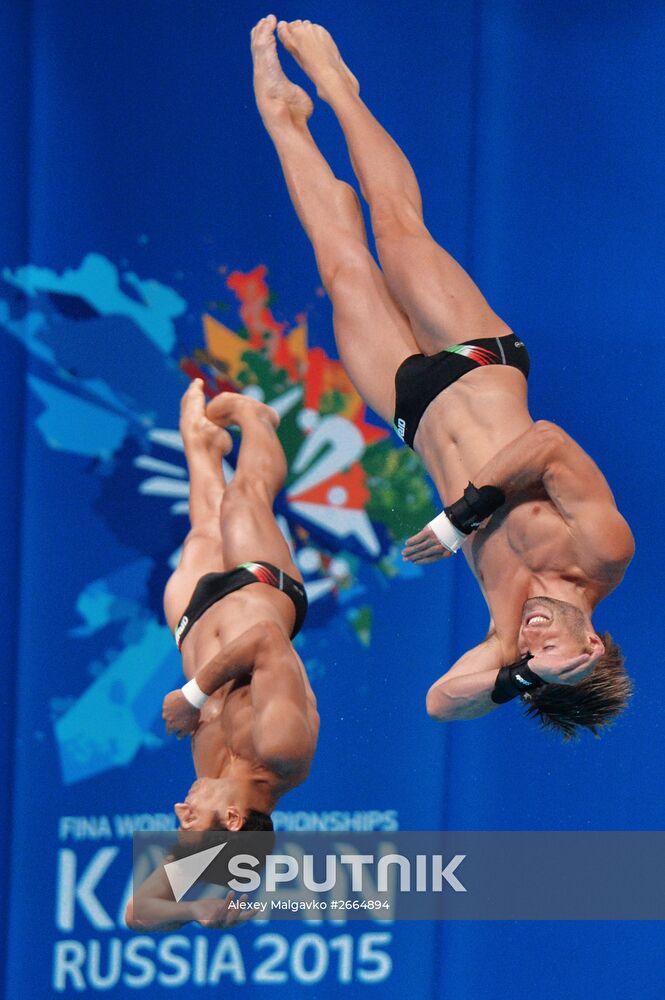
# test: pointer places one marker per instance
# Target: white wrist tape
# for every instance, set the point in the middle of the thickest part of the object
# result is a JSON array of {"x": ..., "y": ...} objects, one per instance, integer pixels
[
  {"x": 450, "y": 537},
  {"x": 193, "y": 693}
]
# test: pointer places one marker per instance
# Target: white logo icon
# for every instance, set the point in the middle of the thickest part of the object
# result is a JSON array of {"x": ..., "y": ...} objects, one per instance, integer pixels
[
  {"x": 181, "y": 628},
  {"x": 183, "y": 874}
]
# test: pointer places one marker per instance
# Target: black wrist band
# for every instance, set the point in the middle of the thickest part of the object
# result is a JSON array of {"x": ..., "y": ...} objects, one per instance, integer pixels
[
  {"x": 515, "y": 679},
  {"x": 474, "y": 506}
]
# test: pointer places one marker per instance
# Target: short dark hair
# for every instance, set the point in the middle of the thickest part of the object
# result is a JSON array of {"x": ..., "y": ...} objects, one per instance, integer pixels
[
  {"x": 258, "y": 821},
  {"x": 592, "y": 704}
]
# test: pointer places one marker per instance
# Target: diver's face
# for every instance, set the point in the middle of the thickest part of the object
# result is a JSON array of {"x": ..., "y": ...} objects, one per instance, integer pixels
[
  {"x": 555, "y": 630},
  {"x": 204, "y": 806}
]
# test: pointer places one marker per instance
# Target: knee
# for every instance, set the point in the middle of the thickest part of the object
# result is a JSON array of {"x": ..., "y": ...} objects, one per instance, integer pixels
[
  {"x": 347, "y": 205},
  {"x": 343, "y": 243},
  {"x": 394, "y": 216},
  {"x": 243, "y": 494},
  {"x": 241, "y": 490},
  {"x": 347, "y": 270}
]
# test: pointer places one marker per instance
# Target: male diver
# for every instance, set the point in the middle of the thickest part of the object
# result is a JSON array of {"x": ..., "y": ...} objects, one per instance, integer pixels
[
  {"x": 540, "y": 528},
  {"x": 234, "y": 603},
  {"x": 247, "y": 702}
]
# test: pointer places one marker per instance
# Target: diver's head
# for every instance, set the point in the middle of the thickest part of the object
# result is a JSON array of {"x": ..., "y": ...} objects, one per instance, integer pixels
[
  {"x": 553, "y": 632},
  {"x": 557, "y": 631},
  {"x": 220, "y": 804}
]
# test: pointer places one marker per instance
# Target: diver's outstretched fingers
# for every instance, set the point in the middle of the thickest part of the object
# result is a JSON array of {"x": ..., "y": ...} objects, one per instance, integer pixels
[{"x": 424, "y": 547}]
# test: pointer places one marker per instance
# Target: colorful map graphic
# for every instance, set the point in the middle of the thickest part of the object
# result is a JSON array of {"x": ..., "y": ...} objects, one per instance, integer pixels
[{"x": 108, "y": 364}]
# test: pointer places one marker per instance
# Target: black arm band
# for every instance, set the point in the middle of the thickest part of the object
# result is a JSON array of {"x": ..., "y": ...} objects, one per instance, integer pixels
[
  {"x": 513, "y": 680},
  {"x": 474, "y": 506}
]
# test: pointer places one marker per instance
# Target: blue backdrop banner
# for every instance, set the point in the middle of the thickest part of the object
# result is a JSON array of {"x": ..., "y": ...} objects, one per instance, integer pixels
[{"x": 148, "y": 239}]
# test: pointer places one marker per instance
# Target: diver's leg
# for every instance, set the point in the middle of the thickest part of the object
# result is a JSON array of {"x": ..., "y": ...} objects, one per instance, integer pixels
[
  {"x": 249, "y": 530},
  {"x": 373, "y": 335},
  {"x": 442, "y": 302},
  {"x": 205, "y": 445}
]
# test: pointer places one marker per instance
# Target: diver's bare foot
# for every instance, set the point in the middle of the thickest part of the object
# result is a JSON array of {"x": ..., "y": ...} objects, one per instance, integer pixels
[
  {"x": 275, "y": 95},
  {"x": 195, "y": 428},
  {"x": 316, "y": 53},
  {"x": 234, "y": 408}
]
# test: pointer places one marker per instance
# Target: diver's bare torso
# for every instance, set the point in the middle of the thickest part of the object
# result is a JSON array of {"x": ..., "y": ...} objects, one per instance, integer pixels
[
  {"x": 521, "y": 551},
  {"x": 527, "y": 542},
  {"x": 228, "y": 618},
  {"x": 225, "y": 730},
  {"x": 225, "y": 735},
  {"x": 468, "y": 423}
]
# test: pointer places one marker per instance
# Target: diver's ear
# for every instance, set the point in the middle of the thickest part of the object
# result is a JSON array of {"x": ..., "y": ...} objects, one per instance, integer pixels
[
  {"x": 232, "y": 819},
  {"x": 184, "y": 813},
  {"x": 597, "y": 646}
]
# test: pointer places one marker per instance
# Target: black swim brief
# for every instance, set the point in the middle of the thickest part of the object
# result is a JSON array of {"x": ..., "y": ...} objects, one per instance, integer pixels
[
  {"x": 214, "y": 586},
  {"x": 420, "y": 379}
]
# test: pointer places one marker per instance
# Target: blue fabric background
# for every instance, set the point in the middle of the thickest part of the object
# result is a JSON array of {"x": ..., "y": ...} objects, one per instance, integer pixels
[{"x": 537, "y": 133}]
